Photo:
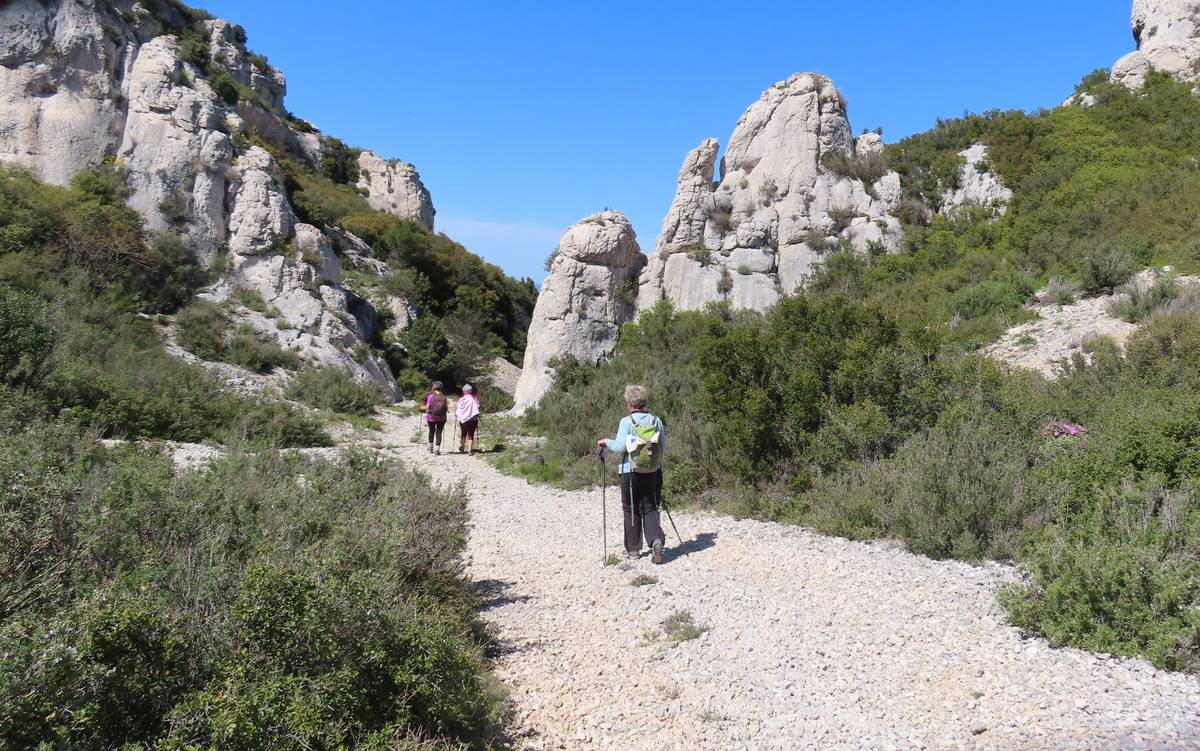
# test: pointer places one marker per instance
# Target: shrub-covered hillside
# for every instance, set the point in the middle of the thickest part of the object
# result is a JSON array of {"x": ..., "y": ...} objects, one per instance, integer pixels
[
  {"x": 471, "y": 310},
  {"x": 264, "y": 602},
  {"x": 860, "y": 408},
  {"x": 1115, "y": 179}
]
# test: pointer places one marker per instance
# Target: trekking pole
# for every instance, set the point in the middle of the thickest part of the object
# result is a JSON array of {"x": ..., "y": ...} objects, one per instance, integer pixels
[
  {"x": 603, "y": 510},
  {"x": 663, "y": 503}
]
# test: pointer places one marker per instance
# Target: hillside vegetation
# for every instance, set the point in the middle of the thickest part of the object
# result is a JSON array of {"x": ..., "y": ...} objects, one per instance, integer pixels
[
  {"x": 469, "y": 311},
  {"x": 264, "y": 602},
  {"x": 860, "y": 407}
]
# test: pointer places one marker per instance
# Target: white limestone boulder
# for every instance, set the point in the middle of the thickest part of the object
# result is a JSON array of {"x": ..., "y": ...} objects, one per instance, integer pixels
[
  {"x": 978, "y": 185},
  {"x": 1167, "y": 34},
  {"x": 395, "y": 187},
  {"x": 584, "y": 301}
]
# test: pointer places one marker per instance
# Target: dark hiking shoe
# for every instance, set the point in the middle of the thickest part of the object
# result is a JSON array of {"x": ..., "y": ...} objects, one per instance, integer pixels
[{"x": 656, "y": 553}]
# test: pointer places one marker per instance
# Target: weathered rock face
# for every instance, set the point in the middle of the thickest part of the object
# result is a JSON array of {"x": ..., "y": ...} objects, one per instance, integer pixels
[
  {"x": 1167, "y": 33},
  {"x": 584, "y": 301},
  {"x": 776, "y": 209},
  {"x": 395, "y": 187},
  {"x": 309, "y": 310},
  {"x": 81, "y": 83},
  {"x": 978, "y": 185}
]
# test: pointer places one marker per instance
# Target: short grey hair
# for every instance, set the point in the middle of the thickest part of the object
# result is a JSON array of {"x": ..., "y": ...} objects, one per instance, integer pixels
[
  {"x": 468, "y": 389},
  {"x": 636, "y": 396}
]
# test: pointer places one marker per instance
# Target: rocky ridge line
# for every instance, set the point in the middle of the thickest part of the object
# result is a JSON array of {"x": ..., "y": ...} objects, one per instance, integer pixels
[{"x": 82, "y": 84}]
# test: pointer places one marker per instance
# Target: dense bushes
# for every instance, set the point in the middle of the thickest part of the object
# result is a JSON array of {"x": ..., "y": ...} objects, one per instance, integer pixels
[
  {"x": 333, "y": 389},
  {"x": 831, "y": 413},
  {"x": 1098, "y": 192},
  {"x": 78, "y": 277},
  {"x": 262, "y": 602},
  {"x": 447, "y": 281}
]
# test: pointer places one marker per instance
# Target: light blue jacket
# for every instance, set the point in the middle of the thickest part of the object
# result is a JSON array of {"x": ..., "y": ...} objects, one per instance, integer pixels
[{"x": 625, "y": 429}]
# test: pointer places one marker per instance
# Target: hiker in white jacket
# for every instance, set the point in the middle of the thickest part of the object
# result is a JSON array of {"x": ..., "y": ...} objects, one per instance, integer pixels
[
  {"x": 641, "y": 487},
  {"x": 468, "y": 414}
]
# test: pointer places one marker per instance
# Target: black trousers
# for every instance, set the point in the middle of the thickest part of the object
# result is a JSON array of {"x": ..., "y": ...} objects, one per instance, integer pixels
[
  {"x": 435, "y": 432},
  {"x": 641, "y": 495}
]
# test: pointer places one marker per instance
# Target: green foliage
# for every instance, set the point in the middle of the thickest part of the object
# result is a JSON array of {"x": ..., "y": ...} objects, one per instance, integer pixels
[
  {"x": 340, "y": 163},
  {"x": 428, "y": 349},
  {"x": 264, "y": 601},
  {"x": 1138, "y": 302},
  {"x": 319, "y": 200},
  {"x": 48, "y": 233},
  {"x": 865, "y": 167},
  {"x": 447, "y": 280},
  {"x": 680, "y": 626},
  {"x": 257, "y": 352},
  {"x": 335, "y": 390},
  {"x": 25, "y": 340},
  {"x": 203, "y": 329},
  {"x": 1107, "y": 269}
]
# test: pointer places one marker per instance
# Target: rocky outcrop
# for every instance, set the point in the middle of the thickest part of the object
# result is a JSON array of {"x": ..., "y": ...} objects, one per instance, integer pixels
[
  {"x": 584, "y": 301},
  {"x": 978, "y": 185},
  {"x": 307, "y": 309},
  {"x": 84, "y": 83},
  {"x": 395, "y": 187},
  {"x": 778, "y": 205},
  {"x": 1167, "y": 34}
]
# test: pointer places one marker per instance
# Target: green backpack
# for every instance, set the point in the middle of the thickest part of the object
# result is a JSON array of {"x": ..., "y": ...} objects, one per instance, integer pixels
[{"x": 642, "y": 447}]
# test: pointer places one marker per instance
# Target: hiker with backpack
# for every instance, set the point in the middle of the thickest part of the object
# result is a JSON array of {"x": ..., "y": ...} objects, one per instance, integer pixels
[
  {"x": 468, "y": 413},
  {"x": 436, "y": 407},
  {"x": 642, "y": 441}
]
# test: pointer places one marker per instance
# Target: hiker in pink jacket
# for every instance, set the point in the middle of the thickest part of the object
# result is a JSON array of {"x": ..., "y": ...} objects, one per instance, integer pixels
[{"x": 468, "y": 414}]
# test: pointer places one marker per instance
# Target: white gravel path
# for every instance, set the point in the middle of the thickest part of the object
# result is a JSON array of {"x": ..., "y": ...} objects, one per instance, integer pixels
[{"x": 813, "y": 641}]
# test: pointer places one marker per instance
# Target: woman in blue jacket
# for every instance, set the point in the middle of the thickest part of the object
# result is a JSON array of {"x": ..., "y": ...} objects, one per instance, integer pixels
[{"x": 641, "y": 490}]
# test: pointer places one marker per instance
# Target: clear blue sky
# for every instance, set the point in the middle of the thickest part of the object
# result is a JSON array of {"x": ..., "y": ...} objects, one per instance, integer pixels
[{"x": 523, "y": 117}]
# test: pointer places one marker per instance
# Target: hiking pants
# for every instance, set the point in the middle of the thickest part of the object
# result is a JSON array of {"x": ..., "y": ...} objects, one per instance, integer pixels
[
  {"x": 435, "y": 431},
  {"x": 642, "y": 492}
]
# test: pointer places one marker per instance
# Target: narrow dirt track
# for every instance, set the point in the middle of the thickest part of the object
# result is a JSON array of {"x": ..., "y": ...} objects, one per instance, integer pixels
[{"x": 812, "y": 641}]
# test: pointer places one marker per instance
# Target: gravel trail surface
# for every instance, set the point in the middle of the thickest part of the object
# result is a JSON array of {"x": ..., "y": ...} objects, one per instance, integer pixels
[{"x": 811, "y": 641}]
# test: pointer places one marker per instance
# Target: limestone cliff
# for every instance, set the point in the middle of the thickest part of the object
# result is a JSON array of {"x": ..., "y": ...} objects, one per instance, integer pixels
[
  {"x": 395, "y": 187},
  {"x": 176, "y": 99},
  {"x": 589, "y": 293},
  {"x": 1167, "y": 35},
  {"x": 777, "y": 206}
]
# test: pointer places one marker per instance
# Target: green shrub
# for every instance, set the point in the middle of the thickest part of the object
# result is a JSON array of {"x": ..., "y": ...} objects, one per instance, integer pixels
[
  {"x": 951, "y": 492},
  {"x": 201, "y": 328},
  {"x": 340, "y": 162},
  {"x": 1060, "y": 291},
  {"x": 1138, "y": 302},
  {"x": 223, "y": 85},
  {"x": 1124, "y": 578},
  {"x": 865, "y": 167},
  {"x": 319, "y": 200},
  {"x": 1107, "y": 269},
  {"x": 257, "y": 352},
  {"x": 333, "y": 389},
  {"x": 262, "y": 601},
  {"x": 25, "y": 340}
]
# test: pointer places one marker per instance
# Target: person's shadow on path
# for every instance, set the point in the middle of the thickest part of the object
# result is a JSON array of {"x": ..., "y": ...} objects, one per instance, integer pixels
[{"x": 702, "y": 541}]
